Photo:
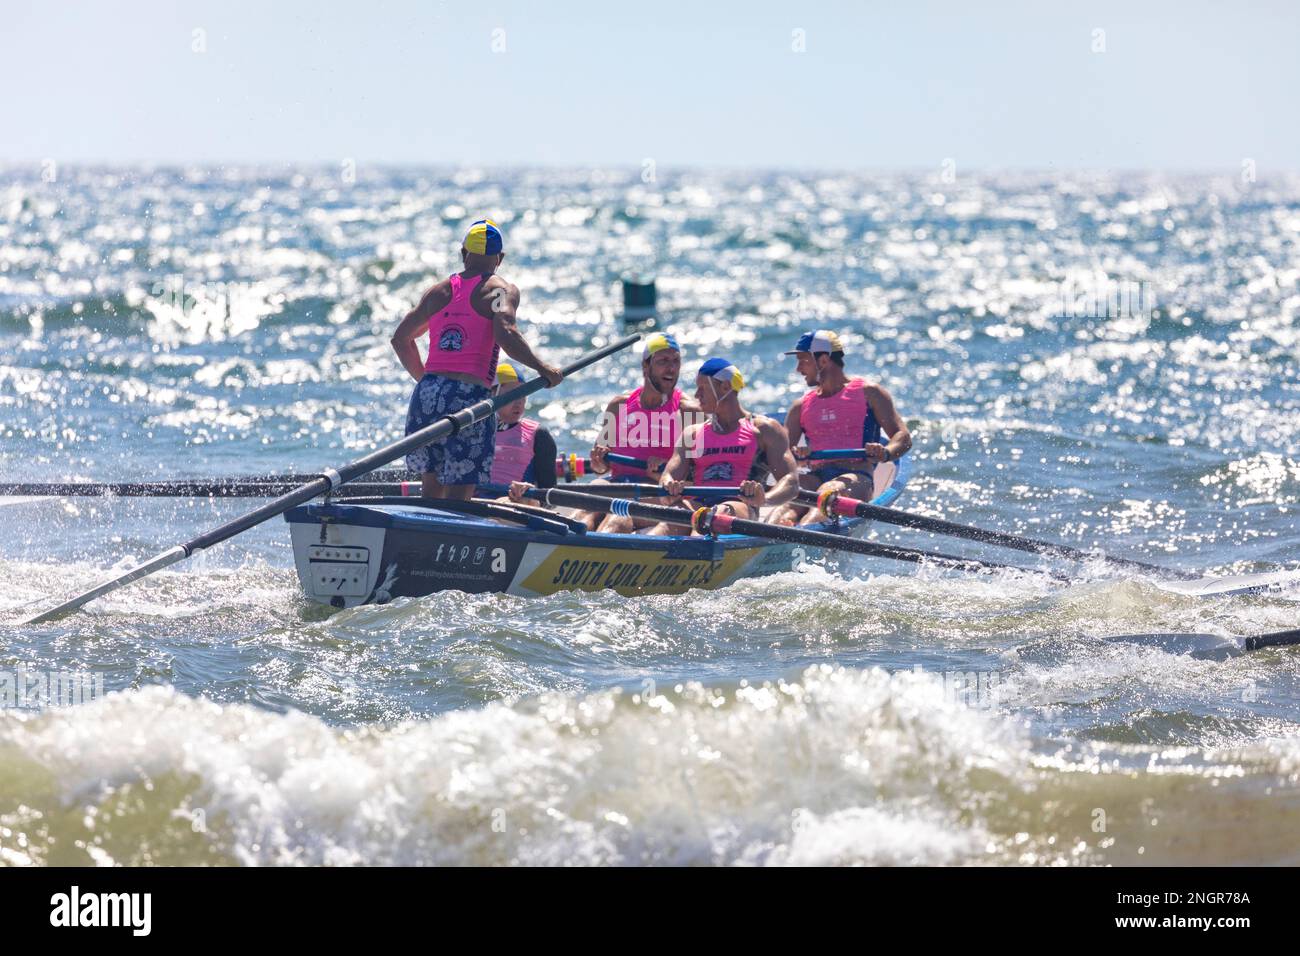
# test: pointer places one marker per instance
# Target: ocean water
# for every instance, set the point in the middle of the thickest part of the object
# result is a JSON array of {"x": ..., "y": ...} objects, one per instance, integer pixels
[{"x": 1105, "y": 360}]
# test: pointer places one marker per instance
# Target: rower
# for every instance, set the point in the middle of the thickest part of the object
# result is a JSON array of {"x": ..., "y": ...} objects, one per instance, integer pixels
[
  {"x": 469, "y": 317},
  {"x": 734, "y": 448},
  {"x": 645, "y": 424},
  {"x": 525, "y": 451},
  {"x": 839, "y": 412}
]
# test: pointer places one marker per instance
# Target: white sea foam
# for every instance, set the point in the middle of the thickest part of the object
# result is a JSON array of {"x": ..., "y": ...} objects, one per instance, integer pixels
[{"x": 840, "y": 767}]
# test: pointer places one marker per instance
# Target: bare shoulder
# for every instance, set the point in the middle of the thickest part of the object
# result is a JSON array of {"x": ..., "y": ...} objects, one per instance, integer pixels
[
  {"x": 439, "y": 290},
  {"x": 770, "y": 428},
  {"x": 876, "y": 392},
  {"x": 617, "y": 402},
  {"x": 689, "y": 405},
  {"x": 495, "y": 297},
  {"x": 494, "y": 286}
]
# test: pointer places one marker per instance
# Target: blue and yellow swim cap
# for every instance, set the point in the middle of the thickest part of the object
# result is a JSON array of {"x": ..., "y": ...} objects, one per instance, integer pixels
[
  {"x": 507, "y": 374},
  {"x": 723, "y": 371},
  {"x": 483, "y": 238},
  {"x": 823, "y": 340},
  {"x": 660, "y": 341}
]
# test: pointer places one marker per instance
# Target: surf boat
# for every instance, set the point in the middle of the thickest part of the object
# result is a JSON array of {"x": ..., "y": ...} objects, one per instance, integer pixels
[{"x": 372, "y": 550}]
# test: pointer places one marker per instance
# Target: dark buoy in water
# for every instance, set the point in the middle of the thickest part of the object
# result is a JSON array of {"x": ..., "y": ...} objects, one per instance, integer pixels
[{"x": 639, "y": 301}]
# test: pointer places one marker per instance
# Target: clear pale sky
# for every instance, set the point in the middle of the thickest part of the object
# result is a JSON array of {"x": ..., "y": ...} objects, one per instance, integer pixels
[{"x": 1181, "y": 85}]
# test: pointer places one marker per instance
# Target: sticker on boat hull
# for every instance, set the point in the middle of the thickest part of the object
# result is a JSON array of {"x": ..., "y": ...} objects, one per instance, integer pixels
[
  {"x": 426, "y": 563},
  {"x": 630, "y": 572}
]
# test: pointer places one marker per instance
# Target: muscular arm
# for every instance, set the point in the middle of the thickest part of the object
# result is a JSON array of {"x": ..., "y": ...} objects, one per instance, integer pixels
[
  {"x": 882, "y": 403},
  {"x": 503, "y": 303},
  {"x": 776, "y": 450},
  {"x": 678, "y": 467},
  {"x": 415, "y": 324},
  {"x": 793, "y": 424},
  {"x": 607, "y": 437}
]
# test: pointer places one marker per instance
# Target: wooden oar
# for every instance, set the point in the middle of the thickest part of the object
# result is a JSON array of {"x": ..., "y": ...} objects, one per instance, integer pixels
[
  {"x": 837, "y": 504},
  {"x": 198, "y": 488},
  {"x": 329, "y": 480},
  {"x": 1187, "y": 583},
  {"x": 383, "y": 482},
  {"x": 268, "y": 486},
  {"x": 708, "y": 520}
]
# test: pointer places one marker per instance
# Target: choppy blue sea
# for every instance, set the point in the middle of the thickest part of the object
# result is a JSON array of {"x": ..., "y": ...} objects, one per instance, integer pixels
[{"x": 1105, "y": 360}]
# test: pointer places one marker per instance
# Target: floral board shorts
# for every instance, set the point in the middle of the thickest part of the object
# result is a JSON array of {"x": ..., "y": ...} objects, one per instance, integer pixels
[{"x": 466, "y": 457}]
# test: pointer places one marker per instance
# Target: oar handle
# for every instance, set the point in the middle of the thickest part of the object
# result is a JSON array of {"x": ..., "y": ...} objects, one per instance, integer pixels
[
  {"x": 836, "y": 454},
  {"x": 616, "y": 459},
  {"x": 572, "y": 466}
]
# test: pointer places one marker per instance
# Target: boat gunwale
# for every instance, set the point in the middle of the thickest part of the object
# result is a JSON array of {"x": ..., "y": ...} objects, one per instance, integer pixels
[
  {"x": 417, "y": 517},
  {"x": 447, "y": 522}
]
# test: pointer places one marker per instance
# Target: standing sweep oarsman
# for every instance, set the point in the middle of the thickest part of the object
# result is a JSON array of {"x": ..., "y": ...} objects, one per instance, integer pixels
[{"x": 469, "y": 317}]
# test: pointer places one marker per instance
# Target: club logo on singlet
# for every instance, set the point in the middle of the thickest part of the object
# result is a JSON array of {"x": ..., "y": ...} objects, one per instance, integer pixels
[
  {"x": 452, "y": 339},
  {"x": 719, "y": 472}
]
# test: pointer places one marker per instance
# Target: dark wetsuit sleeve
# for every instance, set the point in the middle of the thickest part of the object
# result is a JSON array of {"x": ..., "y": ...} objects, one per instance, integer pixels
[{"x": 543, "y": 459}]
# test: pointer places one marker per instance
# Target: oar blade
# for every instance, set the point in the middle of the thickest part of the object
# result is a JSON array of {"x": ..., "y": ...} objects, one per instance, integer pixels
[
  {"x": 1201, "y": 646},
  {"x": 1273, "y": 582},
  {"x": 1209, "y": 646},
  {"x": 843, "y": 505},
  {"x": 163, "y": 560}
]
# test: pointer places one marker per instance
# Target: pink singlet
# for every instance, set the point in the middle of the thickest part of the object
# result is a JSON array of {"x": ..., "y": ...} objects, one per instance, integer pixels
[
  {"x": 642, "y": 432},
  {"x": 514, "y": 452},
  {"x": 844, "y": 420},
  {"x": 461, "y": 340},
  {"x": 726, "y": 459}
]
